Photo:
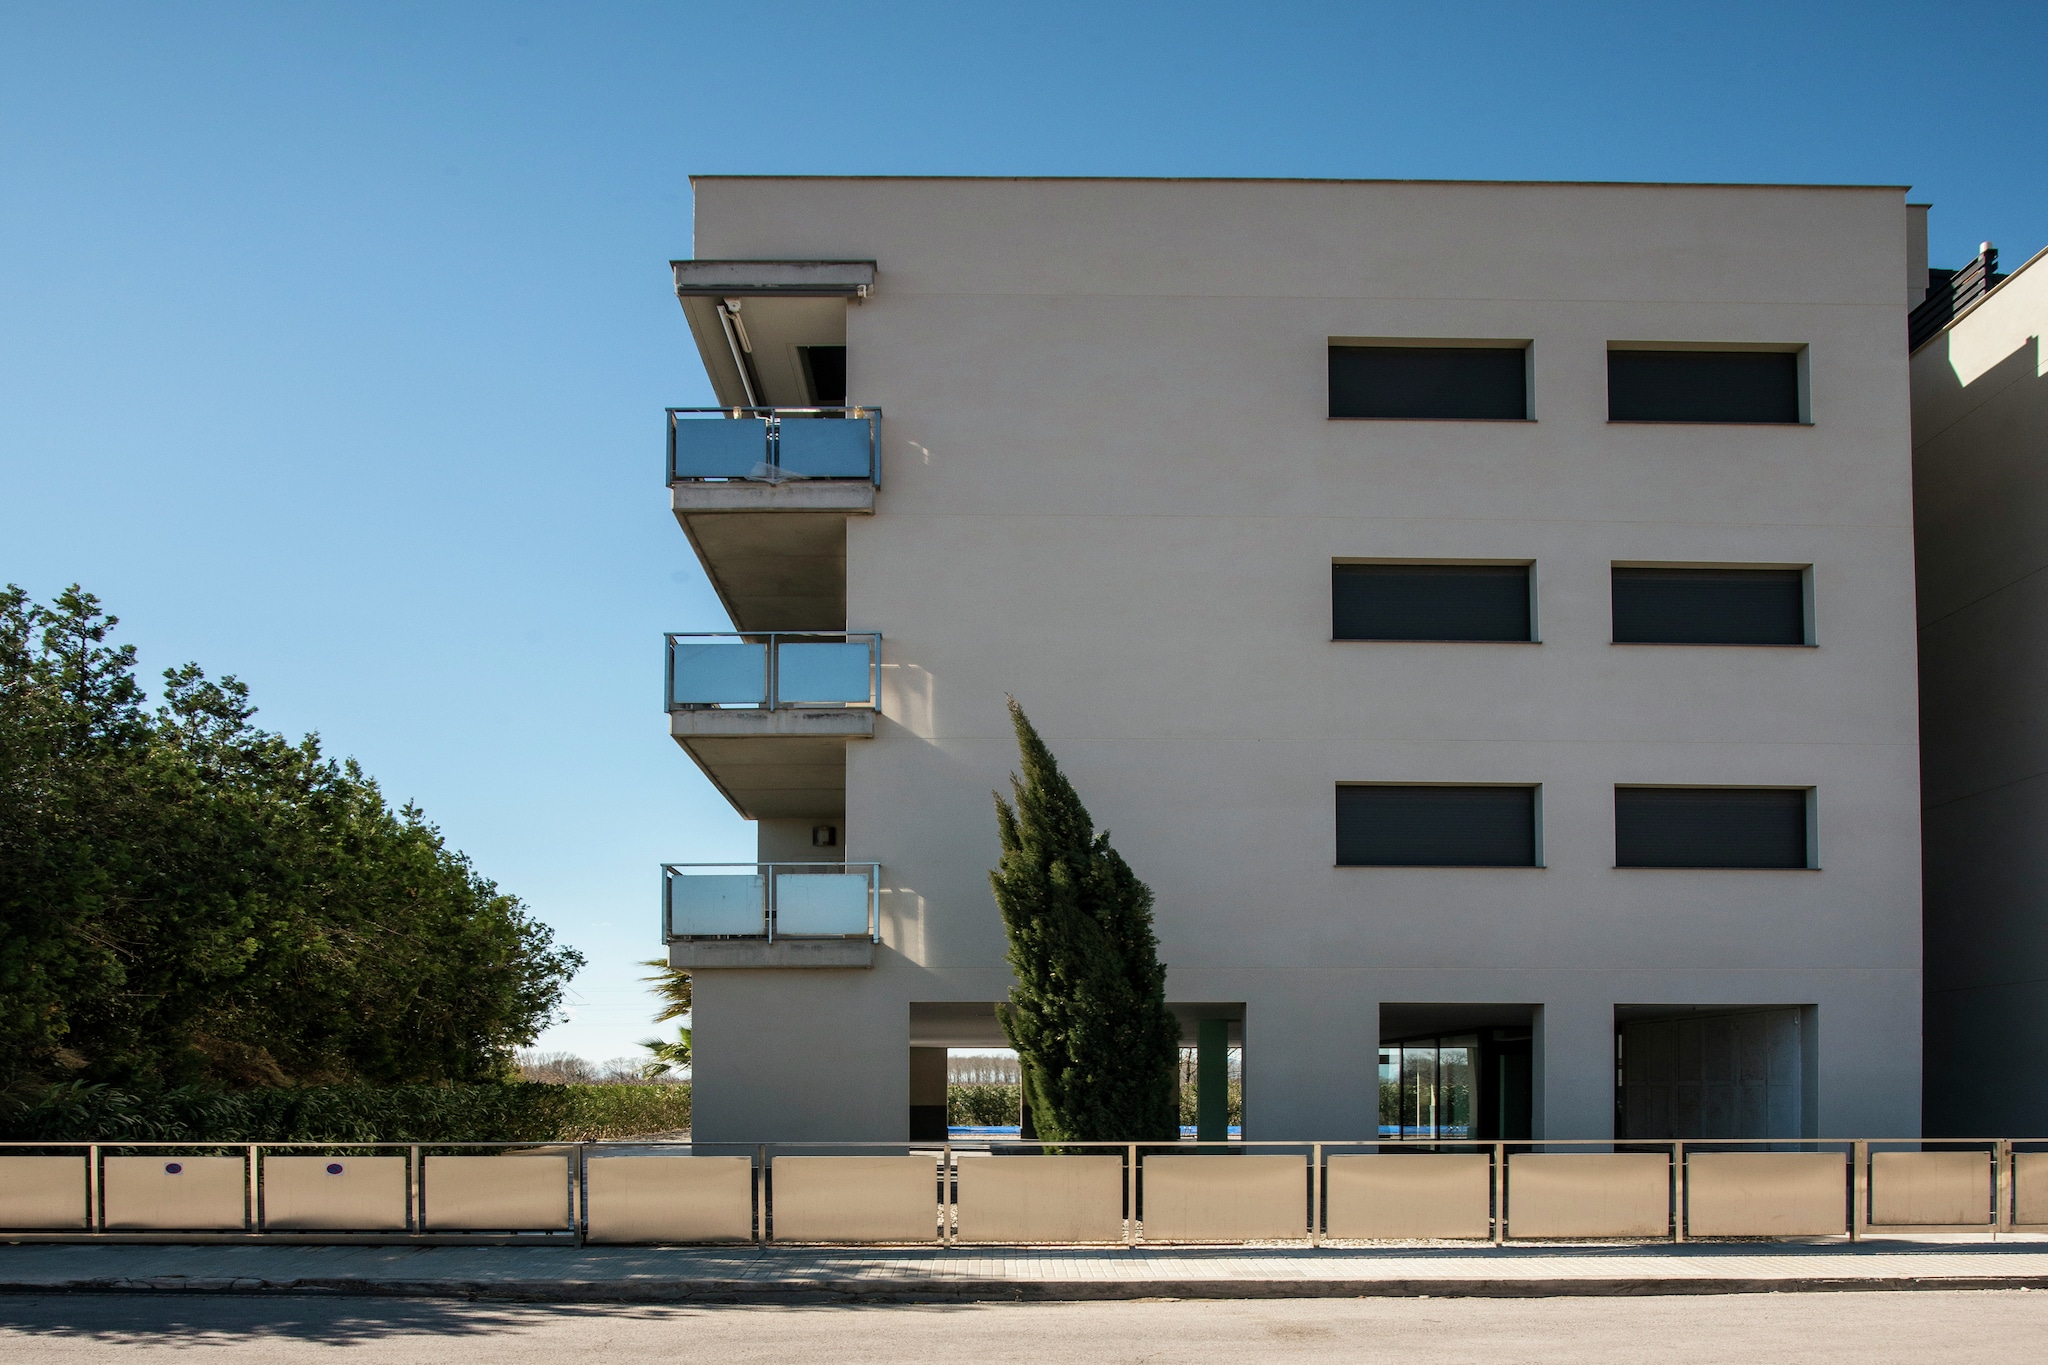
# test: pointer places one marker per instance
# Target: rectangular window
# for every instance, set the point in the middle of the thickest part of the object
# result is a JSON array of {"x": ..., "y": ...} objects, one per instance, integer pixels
[
  {"x": 1759, "y": 387},
  {"x": 1429, "y": 602},
  {"x": 1710, "y": 827},
  {"x": 1685, "y": 606},
  {"x": 1469, "y": 383},
  {"x": 1380, "y": 826}
]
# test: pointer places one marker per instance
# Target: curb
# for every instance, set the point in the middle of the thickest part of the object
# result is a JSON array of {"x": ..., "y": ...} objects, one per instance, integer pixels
[{"x": 1011, "y": 1291}]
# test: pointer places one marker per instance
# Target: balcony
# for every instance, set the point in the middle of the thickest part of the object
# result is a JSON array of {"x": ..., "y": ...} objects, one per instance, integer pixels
[
  {"x": 774, "y": 445},
  {"x": 763, "y": 494},
  {"x": 767, "y": 716},
  {"x": 770, "y": 914}
]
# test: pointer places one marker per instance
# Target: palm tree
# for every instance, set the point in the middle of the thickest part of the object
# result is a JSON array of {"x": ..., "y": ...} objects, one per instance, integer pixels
[{"x": 673, "y": 987}]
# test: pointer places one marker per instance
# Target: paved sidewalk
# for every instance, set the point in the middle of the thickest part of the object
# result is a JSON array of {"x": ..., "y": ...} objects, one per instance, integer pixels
[{"x": 884, "y": 1274}]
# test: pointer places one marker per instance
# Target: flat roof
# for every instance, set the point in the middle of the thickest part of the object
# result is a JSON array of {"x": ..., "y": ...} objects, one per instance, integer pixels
[{"x": 1318, "y": 180}]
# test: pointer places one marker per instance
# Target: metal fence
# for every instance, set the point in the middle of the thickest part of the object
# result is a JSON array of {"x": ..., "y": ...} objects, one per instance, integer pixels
[
  {"x": 770, "y": 900},
  {"x": 774, "y": 445},
  {"x": 773, "y": 670},
  {"x": 1009, "y": 1193}
]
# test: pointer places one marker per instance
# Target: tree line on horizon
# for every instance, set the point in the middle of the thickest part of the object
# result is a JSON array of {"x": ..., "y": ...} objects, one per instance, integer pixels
[{"x": 188, "y": 899}]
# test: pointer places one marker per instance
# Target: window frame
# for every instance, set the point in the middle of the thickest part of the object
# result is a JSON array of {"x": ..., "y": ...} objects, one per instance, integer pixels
[
  {"x": 1812, "y": 820},
  {"x": 1535, "y": 636},
  {"x": 1810, "y": 632},
  {"x": 1803, "y": 374},
  {"x": 1537, "y": 861},
  {"x": 1526, "y": 345}
]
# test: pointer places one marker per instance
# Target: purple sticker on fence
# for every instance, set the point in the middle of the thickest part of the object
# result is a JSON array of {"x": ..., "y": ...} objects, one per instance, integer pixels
[
  {"x": 172, "y": 1168},
  {"x": 334, "y": 1168}
]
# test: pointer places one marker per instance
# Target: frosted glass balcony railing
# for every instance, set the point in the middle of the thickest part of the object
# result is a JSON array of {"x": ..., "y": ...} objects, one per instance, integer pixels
[
  {"x": 775, "y": 670},
  {"x": 774, "y": 445},
  {"x": 769, "y": 900}
]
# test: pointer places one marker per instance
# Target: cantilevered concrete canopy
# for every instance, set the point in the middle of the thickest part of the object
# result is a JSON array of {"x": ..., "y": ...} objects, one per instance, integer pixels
[
  {"x": 774, "y": 764},
  {"x": 775, "y": 553}
]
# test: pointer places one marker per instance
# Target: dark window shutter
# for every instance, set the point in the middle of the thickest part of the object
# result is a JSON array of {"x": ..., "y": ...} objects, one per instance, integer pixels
[
  {"x": 1709, "y": 827},
  {"x": 1703, "y": 386},
  {"x": 1710, "y": 606},
  {"x": 1474, "y": 383},
  {"x": 1436, "y": 826},
  {"x": 1429, "y": 601}
]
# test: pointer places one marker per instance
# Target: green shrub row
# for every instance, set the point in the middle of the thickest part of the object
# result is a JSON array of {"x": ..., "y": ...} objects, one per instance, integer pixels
[
  {"x": 981, "y": 1106},
  {"x": 519, "y": 1111}
]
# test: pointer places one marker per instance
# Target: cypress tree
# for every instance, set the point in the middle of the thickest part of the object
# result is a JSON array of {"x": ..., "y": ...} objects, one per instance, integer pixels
[{"x": 1088, "y": 1016}]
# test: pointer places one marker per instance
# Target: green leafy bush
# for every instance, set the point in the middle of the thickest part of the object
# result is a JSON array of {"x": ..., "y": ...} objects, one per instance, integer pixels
[
  {"x": 187, "y": 899},
  {"x": 982, "y": 1106},
  {"x": 520, "y": 1111}
]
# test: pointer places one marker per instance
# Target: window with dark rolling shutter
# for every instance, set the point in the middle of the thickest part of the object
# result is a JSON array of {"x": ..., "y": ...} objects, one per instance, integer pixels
[
  {"x": 1415, "y": 383},
  {"x": 1429, "y": 826},
  {"x": 1756, "y": 827},
  {"x": 1687, "y": 606},
  {"x": 1429, "y": 602},
  {"x": 1735, "y": 387}
]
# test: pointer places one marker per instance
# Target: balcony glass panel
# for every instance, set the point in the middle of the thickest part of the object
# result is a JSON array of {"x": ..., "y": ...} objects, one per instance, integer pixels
[
  {"x": 820, "y": 903},
  {"x": 826, "y": 448},
  {"x": 823, "y": 671},
  {"x": 717, "y": 903},
  {"x": 722, "y": 448},
  {"x": 724, "y": 673}
]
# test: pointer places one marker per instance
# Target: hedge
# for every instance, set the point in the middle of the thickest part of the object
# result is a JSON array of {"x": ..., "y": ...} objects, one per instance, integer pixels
[{"x": 518, "y": 1111}]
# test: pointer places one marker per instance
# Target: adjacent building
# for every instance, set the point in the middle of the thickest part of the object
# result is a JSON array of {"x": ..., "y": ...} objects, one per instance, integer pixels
[
  {"x": 1980, "y": 456},
  {"x": 1484, "y": 613}
]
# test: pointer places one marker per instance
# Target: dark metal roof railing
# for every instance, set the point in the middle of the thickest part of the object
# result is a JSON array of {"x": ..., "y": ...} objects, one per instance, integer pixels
[{"x": 1949, "y": 293}]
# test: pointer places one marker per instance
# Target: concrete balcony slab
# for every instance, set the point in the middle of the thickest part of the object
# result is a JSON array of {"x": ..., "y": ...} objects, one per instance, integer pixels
[
  {"x": 774, "y": 764},
  {"x": 784, "y": 954}
]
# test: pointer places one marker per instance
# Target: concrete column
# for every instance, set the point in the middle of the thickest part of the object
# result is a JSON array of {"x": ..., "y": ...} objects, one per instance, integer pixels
[
  {"x": 927, "y": 1094},
  {"x": 1212, "y": 1080},
  {"x": 1574, "y": 1065},
  {"x": 1311, "y": 1060}
]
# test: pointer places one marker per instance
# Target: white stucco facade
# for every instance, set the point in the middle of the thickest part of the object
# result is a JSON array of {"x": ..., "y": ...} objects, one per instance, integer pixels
[
  {"x": 1110, "y": 487},
  {"x": 1980, "y": 436}
]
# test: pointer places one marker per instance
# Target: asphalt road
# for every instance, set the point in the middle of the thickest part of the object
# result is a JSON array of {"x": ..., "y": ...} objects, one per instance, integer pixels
[{"x": 1756, "y": 1329}]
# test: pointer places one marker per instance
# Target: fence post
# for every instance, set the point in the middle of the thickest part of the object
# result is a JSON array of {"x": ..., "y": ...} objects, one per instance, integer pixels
[
  {"x": 1678, "y": 1191},
  {"x": 1859, "y": 1187},
  {"x": 1131, "y": 1197},
  {"x": 2002, "y": 1188},
  {"x": 579, "y": 1192},
  {"x": 946, "y": 1193},
  {"x": 414, "y": 1193},
  {"x": 95, "y": 1217},
  {"x": 1500, "y": 1207},
  {"x": 761, "y": 1185},
  {"x": 252, "y": 1221},
  {"x": 1315, "y": 1196}
]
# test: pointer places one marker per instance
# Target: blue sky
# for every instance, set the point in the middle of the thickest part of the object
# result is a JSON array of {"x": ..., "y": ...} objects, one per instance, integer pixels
[{"x": 334, "y": 338}]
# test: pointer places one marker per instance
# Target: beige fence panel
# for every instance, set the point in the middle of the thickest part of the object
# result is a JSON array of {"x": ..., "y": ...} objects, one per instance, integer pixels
[
  {"x": 1420, "y": 1194},
  {"x": 1766, "y": 1194},
  {"x": 176, "y": 1193},
  {"x": 1589, "y": 1194},
  {"x": 1930, "y": 1189},
  {"x": 42, "y": 1192},
  {"x": 855, "y": 1198},
  {"x": 2030, "y": 1189},
  {"x": 496, "y": 1193},
  {"x": 334, "y": 1193},
  {"x": 1041, "y": 1198},
  {"x": 1224, "y": 1198},
  {"x": 669, "y": 1198}
]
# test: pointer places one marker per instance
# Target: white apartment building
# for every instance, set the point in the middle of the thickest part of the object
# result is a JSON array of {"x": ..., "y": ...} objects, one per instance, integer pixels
[
  {"x": 1482, "y": 612},
  {"x": 1980, "y": 455}
]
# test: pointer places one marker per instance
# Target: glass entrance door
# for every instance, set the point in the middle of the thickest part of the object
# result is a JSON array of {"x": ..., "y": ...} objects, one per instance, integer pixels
[{"x": 1426, "y": 1087}]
